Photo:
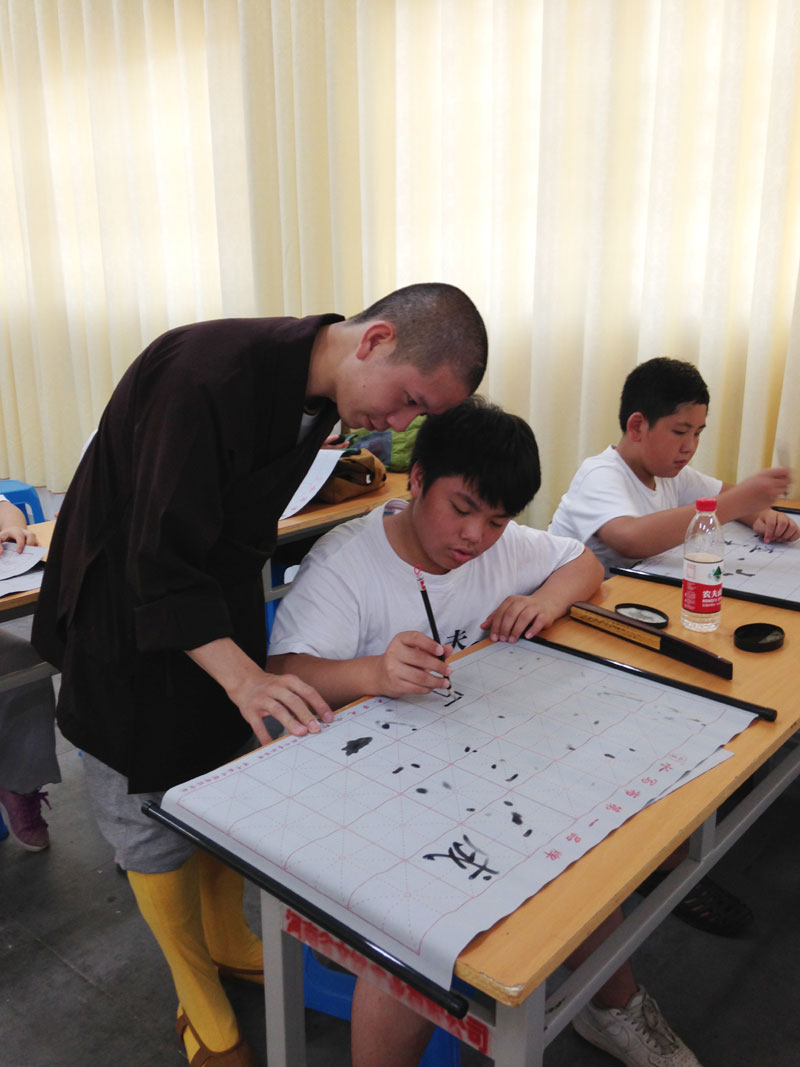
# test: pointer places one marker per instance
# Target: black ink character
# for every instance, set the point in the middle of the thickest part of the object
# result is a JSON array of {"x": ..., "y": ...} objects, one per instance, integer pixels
[
  {"x": 466, "y": 855},
  {"x": 458, "y": 640},
  {"x": 454, "y": 695},
  {"x": 356, "y": 745}
]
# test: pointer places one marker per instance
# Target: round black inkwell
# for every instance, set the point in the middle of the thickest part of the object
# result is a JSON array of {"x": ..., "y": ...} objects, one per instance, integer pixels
[
  {"x": 644, "y": 613},
  {"x": 758, "y": 637}
]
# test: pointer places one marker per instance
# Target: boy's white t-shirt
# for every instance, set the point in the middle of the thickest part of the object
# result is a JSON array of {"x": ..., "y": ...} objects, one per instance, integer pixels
[
  {"x": 605, "y": 488},
  {"x": 353, "y": 593}
]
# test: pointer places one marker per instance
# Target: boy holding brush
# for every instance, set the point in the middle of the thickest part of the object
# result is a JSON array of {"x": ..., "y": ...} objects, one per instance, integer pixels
[
  {"x": 380, "y": 602},
  {"x": 354, "y": 621}
]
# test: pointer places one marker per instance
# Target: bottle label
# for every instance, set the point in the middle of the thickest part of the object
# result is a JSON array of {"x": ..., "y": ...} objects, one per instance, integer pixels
[{"x": 702, "y": 586}]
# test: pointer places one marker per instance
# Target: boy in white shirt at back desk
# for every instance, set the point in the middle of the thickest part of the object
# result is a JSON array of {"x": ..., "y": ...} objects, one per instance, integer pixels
[{"x": 637, "y": 498}]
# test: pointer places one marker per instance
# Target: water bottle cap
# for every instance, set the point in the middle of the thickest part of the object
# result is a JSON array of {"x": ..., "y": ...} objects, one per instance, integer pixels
[{"x": 707, "y": 503}]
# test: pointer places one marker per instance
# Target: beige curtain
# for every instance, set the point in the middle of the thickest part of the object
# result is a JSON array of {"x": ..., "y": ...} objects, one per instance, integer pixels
[{"x": 609, "y": 179}]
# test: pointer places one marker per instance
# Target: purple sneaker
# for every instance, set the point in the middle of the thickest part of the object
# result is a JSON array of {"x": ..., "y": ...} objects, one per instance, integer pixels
[{"x": 23, "y": 817}]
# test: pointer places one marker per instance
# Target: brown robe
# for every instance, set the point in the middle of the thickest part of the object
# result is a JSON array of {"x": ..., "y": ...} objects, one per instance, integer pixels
[{"x": 162, "y": 537}]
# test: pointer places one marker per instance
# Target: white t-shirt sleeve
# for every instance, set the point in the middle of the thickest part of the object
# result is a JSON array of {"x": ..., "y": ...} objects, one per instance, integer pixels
[
  {"x": 534, "y": 554},
  {"x": 318, "y": 616},
  {"x": 599, "y": 492}
]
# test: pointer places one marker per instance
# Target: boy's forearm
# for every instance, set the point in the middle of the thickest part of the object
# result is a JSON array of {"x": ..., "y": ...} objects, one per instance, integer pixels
[
  {"x": 339, "y": 681},
  {"x": 577, "y": 580},
  {"x": 647, "y": 535},
  {"x": 11, "y": 515}
]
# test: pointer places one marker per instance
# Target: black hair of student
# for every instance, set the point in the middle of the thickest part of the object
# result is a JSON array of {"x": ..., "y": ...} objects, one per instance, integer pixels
[
  {"x": 494, "y": 452},
  {"x": 435, "y": 324},
  {"x": 658, "y": 387}
]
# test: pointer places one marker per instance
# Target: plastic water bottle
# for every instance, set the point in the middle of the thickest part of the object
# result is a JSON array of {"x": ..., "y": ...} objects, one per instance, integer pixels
[{"x": 701, "y": 601}]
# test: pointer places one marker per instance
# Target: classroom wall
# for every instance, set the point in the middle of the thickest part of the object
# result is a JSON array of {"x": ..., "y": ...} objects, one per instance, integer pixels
[{"x": 610, "y": 181}]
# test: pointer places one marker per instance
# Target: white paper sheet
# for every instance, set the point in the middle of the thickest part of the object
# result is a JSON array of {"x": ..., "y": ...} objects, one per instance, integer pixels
[
  {"x": 420, "y": 822},
  {"x": 13, "y": 563},
  {"x": 318, "y": 473},
  {"x": 750, "y": 566},
  {"x": 22, "y": 583}
]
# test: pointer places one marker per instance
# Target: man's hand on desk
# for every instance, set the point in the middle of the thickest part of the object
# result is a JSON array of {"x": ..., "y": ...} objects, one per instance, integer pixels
[
  {"x": 21, "y": 535},
  {"x": 294, "y": 703}
]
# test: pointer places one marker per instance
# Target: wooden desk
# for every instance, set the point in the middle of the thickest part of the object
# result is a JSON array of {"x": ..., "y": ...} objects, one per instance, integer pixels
[
  {"x": 510, "y": 962},
  {"x": 314, "y": 518}
]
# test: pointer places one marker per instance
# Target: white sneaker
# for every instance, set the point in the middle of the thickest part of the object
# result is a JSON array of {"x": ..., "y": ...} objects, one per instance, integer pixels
[{"x": 637, "y": 1035}]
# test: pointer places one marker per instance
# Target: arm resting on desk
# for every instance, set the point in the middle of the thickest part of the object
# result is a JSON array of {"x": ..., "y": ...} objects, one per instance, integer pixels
[
  {"x": 526, "y": 616},
  {"x": 14, "y": 526},
  {"x": 637, "y": 537}
]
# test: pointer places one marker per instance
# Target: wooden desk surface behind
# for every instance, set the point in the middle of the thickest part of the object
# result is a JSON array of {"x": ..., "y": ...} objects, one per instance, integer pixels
[
  {"x": 518, "y": 953},
  {"x": 312, "y": 517},
  {"x": 317, "y": 515}
]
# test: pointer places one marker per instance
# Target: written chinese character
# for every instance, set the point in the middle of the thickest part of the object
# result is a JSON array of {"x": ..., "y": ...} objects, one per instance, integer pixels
[
  {"x": 465, "y": 855},
  {"x": 458, "y": 640}
]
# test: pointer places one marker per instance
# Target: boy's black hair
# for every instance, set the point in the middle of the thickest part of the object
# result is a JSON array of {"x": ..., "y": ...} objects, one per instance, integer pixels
[
  {"x": 494, "y": 452},
  {"x": 659, "y": 387}
]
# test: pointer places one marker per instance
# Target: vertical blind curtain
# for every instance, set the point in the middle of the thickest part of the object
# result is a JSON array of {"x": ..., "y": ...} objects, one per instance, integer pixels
[{"x": 610, "y": 180}]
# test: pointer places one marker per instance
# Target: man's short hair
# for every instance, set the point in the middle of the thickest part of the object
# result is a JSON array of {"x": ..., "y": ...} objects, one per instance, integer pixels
[
  {"x": 436, "y": 324},
  {"x": 659, "y": 387},
  {"x": 494, "y": 452}
]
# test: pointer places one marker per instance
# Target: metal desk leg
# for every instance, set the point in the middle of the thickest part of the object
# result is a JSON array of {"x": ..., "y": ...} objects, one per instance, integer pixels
[
  {"x": 283, "y": 988},
  {"x": 518, "y": 1038}
]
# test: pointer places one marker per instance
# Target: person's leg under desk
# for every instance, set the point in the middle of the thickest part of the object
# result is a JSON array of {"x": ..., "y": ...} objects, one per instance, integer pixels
[{"x": 385, "y": 1033}]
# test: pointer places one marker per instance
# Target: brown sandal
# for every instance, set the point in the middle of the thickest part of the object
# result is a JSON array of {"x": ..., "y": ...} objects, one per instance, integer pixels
[
  {"x": 242, "y": 974},
  {"x": 241, "y": 1055}
]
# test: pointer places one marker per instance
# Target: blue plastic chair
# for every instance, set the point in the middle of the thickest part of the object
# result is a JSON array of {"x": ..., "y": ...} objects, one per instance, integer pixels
[
  {"x": 331, "y": 992},
  {"x": 3, "y": 829},
  {"x": 24, "y": 496}
]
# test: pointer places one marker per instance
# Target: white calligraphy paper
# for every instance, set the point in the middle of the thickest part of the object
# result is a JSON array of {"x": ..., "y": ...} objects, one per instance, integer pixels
[
  {"x": 421, "y": 822},
  {"x": 750, "y": 566}
]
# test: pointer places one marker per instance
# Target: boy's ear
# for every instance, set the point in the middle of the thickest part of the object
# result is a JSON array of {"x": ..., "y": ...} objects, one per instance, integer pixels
[
  {"x": 376, "y": 334},
  {"x": 636, "y": 426},
  {"x": 415, "y": 481}
]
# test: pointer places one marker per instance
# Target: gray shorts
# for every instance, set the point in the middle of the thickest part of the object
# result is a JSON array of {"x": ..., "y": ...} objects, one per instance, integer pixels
[{"x": 139, "y": 842}]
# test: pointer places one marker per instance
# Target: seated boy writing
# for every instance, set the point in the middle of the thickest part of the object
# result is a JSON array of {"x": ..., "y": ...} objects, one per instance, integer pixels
[
  {"x": 637, "y": 498},
  {"x": 354, "y": 624}
]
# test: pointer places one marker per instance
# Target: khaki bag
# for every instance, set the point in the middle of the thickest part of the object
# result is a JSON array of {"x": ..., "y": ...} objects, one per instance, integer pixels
[{"x": 357, "y": 472}]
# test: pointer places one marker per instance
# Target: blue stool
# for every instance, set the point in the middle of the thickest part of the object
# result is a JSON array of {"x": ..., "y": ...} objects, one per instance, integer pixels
[
  {"x": 24, "y": 496},
  {"x": 331, "y": 992},
  {"x": 271, "y": 606},
  {"x": 3, "y": 829}
]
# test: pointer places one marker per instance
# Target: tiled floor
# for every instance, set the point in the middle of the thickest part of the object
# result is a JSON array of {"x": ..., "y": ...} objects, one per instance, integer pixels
[{"x": 82, "y": 982}]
